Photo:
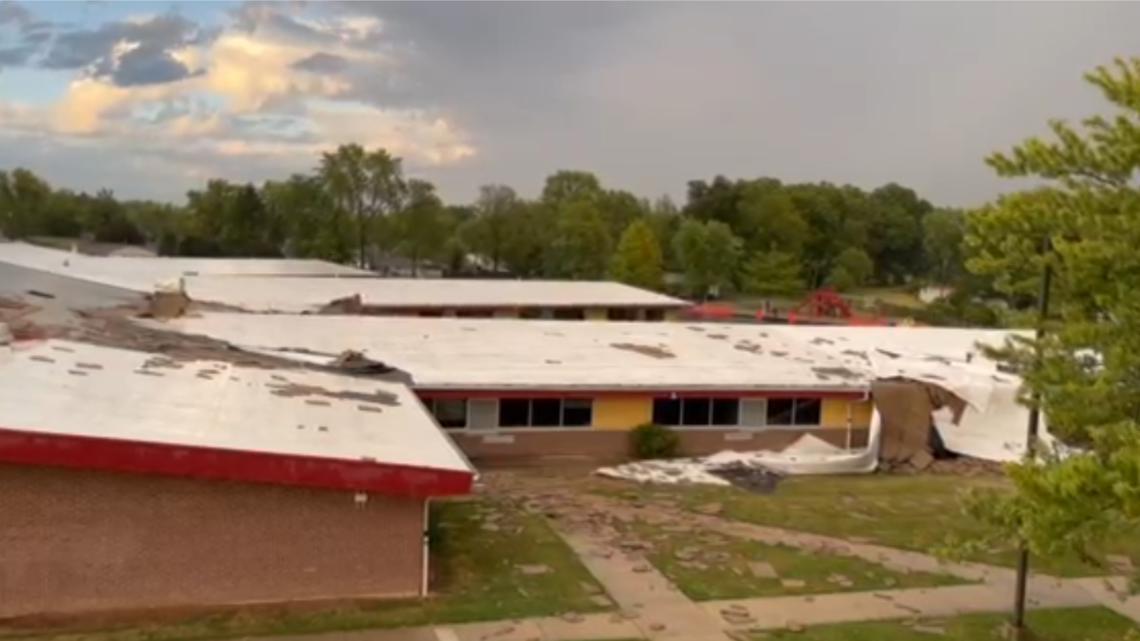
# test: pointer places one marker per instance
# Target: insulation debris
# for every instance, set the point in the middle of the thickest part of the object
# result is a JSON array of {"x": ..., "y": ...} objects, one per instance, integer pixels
[{"x": 653, "y": 351}]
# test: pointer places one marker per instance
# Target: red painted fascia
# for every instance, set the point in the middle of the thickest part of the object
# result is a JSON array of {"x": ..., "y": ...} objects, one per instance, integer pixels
[
  {"x": 428, "y": 394},
  {"x": 93, "y": 453}
]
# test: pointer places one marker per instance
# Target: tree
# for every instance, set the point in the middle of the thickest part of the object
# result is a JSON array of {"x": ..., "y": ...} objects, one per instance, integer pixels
[
  {"x": 311, "y": 225},
  {"x": 637, "y": 260},
  {"x": 420, "y": 225},
  {"x": 943, "y": 232},
  {"x": 363, "y": 185},
  {"x": 486, "y": 233},
  {"x": 708, "y": 253},
  {"x": 897, "y": 220},
  {"x": 23, "y": 199},
  {"x": 568, "y": 186},
  {"x": 580, "y": 248},
  {"x": 1083, "y": 222},
  {"x": 106, "y": 220},
  {"x": 773, "y": 273},
  {"x": 770, "y": 219},
  {"x": 852, "y": 268}
]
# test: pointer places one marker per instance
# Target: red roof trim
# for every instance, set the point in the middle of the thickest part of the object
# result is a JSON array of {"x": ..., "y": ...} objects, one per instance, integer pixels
[
  {"x": 652, "y": 393},
  {"x": 84, "y": 452}
]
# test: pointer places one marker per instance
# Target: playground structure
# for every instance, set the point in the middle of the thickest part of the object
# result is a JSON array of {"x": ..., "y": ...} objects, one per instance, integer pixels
[{"x": 824, "y": 306}]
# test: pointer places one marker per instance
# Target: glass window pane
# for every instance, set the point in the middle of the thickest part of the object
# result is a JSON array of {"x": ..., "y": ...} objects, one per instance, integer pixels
[
  {"x": 577, "y": 412},
  {"x": 780, "y": 411},
  {"x": 654, "y": 314},
  {"x": 725, "y": 411},
  {"x": 807, "y": 411},
  {"x": 695, "y": 411},
  {"x": 569, "y": 313},
  {"x": 545, "y": 412},
  {"x": 667, "y": 411},
  {"x": 514, "y": 412},
  {"x": 450, "y": 412}
]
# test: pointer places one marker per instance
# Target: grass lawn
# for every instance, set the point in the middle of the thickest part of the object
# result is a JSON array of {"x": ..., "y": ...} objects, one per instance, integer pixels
[
  {"x": 909, "y": 512},
  {"x": 479, "y": 548},
  {"x": 709, "y": 565},
  {"x": 1080, "y": 624}
]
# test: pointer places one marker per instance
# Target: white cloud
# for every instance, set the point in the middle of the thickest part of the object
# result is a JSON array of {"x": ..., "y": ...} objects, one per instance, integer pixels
[{"x": 248, "y": 82}]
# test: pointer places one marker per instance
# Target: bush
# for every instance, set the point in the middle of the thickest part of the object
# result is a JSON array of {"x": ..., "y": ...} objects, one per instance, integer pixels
[{"x": 654, "y": 441}]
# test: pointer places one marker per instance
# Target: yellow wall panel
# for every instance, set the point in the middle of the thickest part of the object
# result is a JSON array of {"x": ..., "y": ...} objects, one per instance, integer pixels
[
  {"x": 834, "y": 413},
  {"x": 596, "y": 313},
  {"x": 622, "y": 412}
]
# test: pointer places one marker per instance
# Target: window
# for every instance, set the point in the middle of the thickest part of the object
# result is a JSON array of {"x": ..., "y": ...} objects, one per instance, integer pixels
[
  {"x": 569, "y": 313},
  {"x": 450, "y": 413},
  {"x": 794, "y": 411},
  {"x": 530, "y": 312},
  {"x": 514, "y": 412},
  {"x": 654, "y": 314},
  {"x": 725, "y": 411},
  {"x": 696, "y": 411},
  {"x": 621, "y": 314},
  {"x": 546, "y": 412},
  {"x": 474, "y": 313}
]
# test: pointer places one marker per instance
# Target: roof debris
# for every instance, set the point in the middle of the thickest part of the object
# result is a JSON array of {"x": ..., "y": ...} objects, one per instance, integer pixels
[{"x": 651, "y": 351}]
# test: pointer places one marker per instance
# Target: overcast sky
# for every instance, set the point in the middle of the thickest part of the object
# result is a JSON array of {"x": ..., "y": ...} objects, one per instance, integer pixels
[{"x": 152, "y": 99}]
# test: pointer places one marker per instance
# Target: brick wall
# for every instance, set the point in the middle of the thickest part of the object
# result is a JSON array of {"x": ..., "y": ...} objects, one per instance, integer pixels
[
  {"x": 537, "y": 447},
  {"x": 74, "y": 541}
]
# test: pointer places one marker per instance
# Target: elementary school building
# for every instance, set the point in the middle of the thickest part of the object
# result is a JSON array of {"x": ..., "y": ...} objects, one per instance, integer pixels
[
  {"x": 137, "y": 481},
  {"x": 532, "y": 391}
]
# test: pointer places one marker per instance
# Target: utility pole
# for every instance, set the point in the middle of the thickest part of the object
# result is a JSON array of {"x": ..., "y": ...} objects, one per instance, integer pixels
[{"x": 1020, "y": 632}]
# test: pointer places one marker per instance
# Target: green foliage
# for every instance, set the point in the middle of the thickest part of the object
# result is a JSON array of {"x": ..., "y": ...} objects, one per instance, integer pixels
[
  {"x": 852, "y": 268},
  {"x": 773, "y": 273},
  {"x": 652, "y": 441},
  {"x": 363, "y": 185},
  {"x": 708, "y": 253},
  {"x": 943, "y": 231},
  {"x": 580, "y": 247},
  {"x": 637, "y": 260},
  {"x": 1087, "y": 370}
]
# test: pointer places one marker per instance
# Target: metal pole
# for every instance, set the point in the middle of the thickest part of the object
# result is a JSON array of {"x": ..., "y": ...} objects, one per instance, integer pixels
[{"x": 1019, "y": 628}]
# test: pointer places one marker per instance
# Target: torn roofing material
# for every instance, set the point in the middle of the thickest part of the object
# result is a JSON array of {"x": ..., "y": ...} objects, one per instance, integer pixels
[
  {"x": 143, "y": 274},
  {"x": 479, "y": 354},
  {"x": 295, "y": 295},
  {"x": 503, "y": 354},
  {"x": 82, "y": 405}
]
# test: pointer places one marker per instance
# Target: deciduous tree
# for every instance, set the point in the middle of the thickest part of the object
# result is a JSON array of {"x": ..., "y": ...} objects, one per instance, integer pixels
[{"x": 637, "y": 259}]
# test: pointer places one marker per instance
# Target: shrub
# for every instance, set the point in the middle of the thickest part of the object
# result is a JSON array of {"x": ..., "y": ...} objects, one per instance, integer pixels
[{"x": 654, "y": 441}]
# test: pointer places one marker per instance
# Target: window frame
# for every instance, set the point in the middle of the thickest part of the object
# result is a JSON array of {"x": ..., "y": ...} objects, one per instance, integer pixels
[
  {"x": 561, "y": 425},
  {"x": 710, "y": 425},
  {"x": 431, "y": 406},
  {"x": 795, "y": 411}
]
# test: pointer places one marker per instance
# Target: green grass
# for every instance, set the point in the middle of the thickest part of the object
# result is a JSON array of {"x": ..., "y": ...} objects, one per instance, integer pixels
[
  {"x": 476, "y": 580},
  {"x": 1078, "y": 624},
  {"x": 713, "y": 566},
  {"x": 909, "y": 512}
]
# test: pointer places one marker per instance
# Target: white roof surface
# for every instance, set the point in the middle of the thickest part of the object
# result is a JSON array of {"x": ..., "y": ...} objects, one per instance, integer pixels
[
  {"x": 77, "y": 389},
  {"x": 142, "y": 274},
  {"x": 442, "y": 353},
  {"x": 310, "y": 294}
]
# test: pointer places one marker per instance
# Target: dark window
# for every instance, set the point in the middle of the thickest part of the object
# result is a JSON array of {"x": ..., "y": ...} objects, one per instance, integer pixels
[
  {"x": 654, "y": 314},
  {"x": 577, "y": 412},
  {"x": 621, "y": 314},
  {"x": 514, "y": 412},
  {"x": 725, "y": 411},
  {"x": 530, "y": 312},
  {"x": 569, "y": 313},
  {"x": 545, "y": 412},
  {"x": 667, "y": 411},
  {"x": 794, "y": 411},
  {"x": 474, "y": 313},
  {"x": 450, "y": 413},
  {"x": 428, "y": 313},
  {"x": 781, "y": 411},
  {"x": 807, "y": 411},
  {"x": 695, "y": 411}
]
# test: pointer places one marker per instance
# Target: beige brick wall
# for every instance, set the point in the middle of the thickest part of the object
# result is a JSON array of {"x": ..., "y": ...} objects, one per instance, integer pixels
[{"x": 74, "y": 542}]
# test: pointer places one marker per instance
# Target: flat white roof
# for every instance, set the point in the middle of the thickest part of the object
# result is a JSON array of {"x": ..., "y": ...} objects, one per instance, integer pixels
[
  {"x": 287, "y": 294},
  {"x": 65, "y": 388},
  {"x": 142, "y": 274},
  {"x": 474, "y": 354}
]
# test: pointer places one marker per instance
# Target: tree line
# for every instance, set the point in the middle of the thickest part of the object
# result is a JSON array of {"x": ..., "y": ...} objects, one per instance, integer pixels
[{"x": 752, "y": 236}]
